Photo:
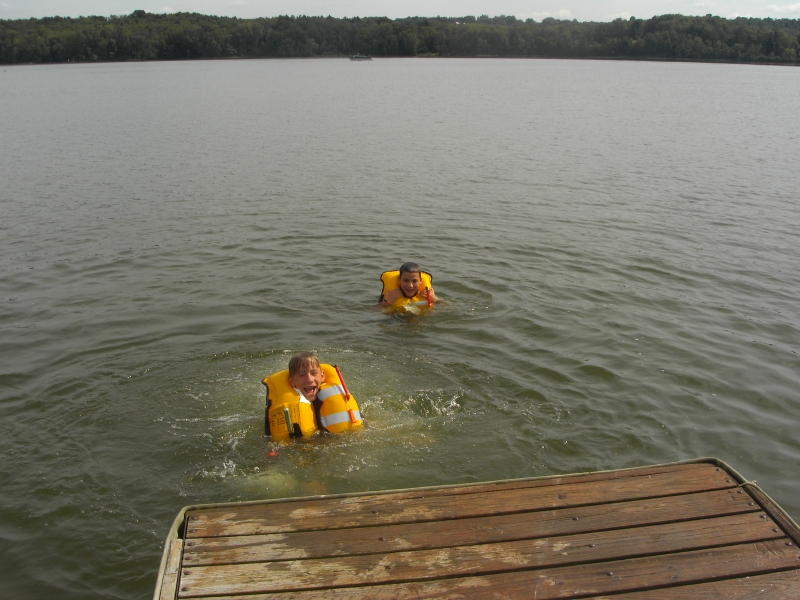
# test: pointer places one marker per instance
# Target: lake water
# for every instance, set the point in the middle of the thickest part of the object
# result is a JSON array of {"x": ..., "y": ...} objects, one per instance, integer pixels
[{"x": 616, "y": 243}]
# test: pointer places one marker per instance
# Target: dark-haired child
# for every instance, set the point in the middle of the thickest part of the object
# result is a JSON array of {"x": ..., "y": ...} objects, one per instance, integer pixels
[{"x": 409, "y": 285}]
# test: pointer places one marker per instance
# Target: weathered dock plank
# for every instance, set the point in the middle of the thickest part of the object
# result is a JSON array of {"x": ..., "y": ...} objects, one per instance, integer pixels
[
  {"x": 687, "y": 530},
  {"x": 775, "y": 586},
  {"x": 457, "y": 532},
  {"x": 405, "y": 508},
  {"x": 483, "y": 558},
  {"x": 651, "y": 573},
  {"x": 169, "y": 584}
]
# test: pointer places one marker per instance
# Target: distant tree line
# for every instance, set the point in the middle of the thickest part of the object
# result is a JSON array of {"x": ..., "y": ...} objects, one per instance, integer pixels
[{"x": 147, "y": 36}]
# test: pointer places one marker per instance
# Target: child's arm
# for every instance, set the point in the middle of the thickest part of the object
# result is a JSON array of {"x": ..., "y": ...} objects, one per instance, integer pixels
[
  {"x": 391, "y": 297},
  {"x": 434, "y": 299}
]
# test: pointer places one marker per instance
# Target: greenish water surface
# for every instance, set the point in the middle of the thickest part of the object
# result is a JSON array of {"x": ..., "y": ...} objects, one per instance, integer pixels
[{"x": 616, "y": 245}]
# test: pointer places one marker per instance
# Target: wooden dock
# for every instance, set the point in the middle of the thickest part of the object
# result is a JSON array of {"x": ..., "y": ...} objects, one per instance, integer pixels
[{"x": 680, "y": 531}]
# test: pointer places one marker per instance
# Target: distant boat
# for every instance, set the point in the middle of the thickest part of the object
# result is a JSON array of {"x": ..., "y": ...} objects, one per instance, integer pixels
[{"x": 360, "y": 56}]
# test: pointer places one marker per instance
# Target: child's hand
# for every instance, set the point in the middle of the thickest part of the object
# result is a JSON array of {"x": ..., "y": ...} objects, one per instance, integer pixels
[{"x": 391, "y": 297}]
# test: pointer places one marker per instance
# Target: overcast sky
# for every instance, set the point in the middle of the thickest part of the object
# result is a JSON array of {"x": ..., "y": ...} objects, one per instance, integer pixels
[{"x": 582, "y": 10}]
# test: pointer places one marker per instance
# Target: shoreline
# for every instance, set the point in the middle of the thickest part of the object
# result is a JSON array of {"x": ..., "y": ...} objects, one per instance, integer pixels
[{"x": 419, "y": 57}]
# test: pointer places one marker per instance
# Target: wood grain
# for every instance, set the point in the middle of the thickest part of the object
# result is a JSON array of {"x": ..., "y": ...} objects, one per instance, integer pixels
[
  {"x": 664, "y": 532},
  {"x": 775, "y": 586},
  {"x": 474, "y": 559},
  {"x": 379, "y": 509},
  {"x": 775, "y": 512},
  {"x": 478, "y": 530},
  {"x": 169, "y": 583},
  {"x": 577, "y": 581}
]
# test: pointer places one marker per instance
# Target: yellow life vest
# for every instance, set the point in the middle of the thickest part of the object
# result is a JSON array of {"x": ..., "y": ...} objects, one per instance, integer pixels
[
  {"x": 339, "y": 411},
  {"x": 391, "y": 281},
  {"x": 291, "y": 415}
]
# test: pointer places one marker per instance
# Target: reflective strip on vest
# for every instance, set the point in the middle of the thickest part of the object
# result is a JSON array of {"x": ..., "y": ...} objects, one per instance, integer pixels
[
  {"x": 340, "y": 417},
  {"x": 331, "y": 391}
]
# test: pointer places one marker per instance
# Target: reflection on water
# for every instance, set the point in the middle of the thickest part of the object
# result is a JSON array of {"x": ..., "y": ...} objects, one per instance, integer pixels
[{"x": 615, "y": 245}]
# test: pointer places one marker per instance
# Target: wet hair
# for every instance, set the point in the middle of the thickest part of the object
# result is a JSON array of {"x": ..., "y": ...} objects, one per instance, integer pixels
[
  {"x": 300, "y": 360},
  {"x": 410, "y": 267}
]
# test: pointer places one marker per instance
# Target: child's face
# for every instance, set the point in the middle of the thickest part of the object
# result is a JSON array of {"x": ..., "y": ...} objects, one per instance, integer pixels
[
  {"x": 308, "y": 379},
  {"x": 409, "y": 284}
]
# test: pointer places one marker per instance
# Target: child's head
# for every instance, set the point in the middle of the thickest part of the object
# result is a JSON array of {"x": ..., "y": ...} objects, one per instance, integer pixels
[
  {"x": 306, "y": 374},
  {"x": 410, "y": 279}
]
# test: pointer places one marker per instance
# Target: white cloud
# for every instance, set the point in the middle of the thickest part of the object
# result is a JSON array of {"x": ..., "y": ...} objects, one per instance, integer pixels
[
  {"x": 785, "y": 9},
  {"x": 239, "y": 3},
  {"x": 165, "y": 10}
]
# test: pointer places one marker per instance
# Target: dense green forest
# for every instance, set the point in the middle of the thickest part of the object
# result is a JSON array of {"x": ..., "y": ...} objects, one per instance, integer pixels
[{"x": 146, "y": 36}]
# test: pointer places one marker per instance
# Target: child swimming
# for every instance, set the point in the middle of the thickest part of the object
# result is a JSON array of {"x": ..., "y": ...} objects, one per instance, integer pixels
[
  {"x": 409, "y": 285},
  {"x": 306, "y": 375},
  {"x": 308, "y": 397}
]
